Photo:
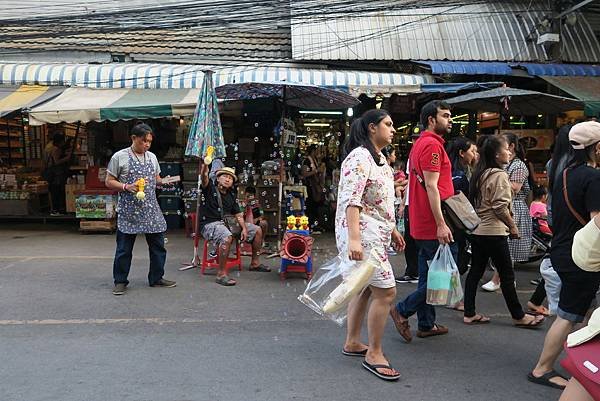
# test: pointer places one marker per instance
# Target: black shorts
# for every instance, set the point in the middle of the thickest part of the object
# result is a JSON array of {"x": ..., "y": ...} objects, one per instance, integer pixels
[{"x": 577, "y": 294}]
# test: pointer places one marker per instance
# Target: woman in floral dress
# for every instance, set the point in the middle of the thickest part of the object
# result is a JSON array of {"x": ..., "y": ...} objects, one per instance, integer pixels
[{"x": 365, "y": 221}]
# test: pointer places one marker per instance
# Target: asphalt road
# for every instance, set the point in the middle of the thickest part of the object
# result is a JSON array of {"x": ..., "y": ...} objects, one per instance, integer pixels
[{"x": 64, "y": 336}]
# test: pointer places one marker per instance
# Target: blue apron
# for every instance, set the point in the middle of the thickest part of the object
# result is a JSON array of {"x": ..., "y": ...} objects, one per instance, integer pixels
[{"x": 140, "y": 216}]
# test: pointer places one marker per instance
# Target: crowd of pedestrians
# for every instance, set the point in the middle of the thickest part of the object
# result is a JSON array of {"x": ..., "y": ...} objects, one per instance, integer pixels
[{"x": 497, "y": 180}]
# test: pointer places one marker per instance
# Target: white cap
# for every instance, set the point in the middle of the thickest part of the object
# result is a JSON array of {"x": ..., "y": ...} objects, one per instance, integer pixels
[
  {"x": 586, "y": 247},
  {"x": 584, "y": 134},
  {"x": 587, "y": 333}
]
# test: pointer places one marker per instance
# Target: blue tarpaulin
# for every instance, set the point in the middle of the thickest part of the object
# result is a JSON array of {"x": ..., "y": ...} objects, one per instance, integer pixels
[
  {"x": 455, "y": 87},
  {"x": 506, "y": 68}
]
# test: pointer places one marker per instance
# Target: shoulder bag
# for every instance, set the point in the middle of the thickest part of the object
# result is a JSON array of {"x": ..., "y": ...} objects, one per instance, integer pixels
[
  {"x": 458, "y": 211},
  {"x": 574, "y": 212},
  {"x": 230, "y": 221}
]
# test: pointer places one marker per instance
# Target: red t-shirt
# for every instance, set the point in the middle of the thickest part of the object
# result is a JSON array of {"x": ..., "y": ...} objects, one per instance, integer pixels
[{"x": 427, "y": 154}]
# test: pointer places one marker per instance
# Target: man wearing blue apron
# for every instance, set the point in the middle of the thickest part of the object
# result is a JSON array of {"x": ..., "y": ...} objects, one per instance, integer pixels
[{"x": 137, "y": 214}]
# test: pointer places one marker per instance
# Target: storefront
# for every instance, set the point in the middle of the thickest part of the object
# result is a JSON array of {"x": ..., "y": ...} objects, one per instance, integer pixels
[{"x": 101, "y": 114}]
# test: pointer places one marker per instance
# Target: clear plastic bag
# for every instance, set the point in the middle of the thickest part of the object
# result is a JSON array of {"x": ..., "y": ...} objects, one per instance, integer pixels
[
  {"x": 443, "y": 279},
  {"x": 335, "y": 283}
]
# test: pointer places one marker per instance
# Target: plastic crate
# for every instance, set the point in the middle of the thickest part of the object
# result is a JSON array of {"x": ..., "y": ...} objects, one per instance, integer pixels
[
  {"x": 174, "y": 219},
  {"x": 189, "y": 205},
  {"x": 169, "y": 203},
  {"x": 170, "y": 168},
  {"x": 190, "y": 171}
]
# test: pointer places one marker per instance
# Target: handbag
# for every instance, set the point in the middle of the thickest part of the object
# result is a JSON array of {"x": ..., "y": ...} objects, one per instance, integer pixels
[
  {"x": 458, "y": 211},
  {"x": 230, "y": 221}
]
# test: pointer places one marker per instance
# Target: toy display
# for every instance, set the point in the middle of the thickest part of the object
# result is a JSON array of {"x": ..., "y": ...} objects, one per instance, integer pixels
[{"x": 296, "y": 248}]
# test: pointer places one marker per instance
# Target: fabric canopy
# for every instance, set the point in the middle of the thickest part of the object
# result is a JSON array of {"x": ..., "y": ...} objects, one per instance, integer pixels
[
  {"x": 86, "y": 104},
  {"x": 13, "y": 98},
  {"x": 180, "y": 76},
  {"x": 302, "y": 96},
  {"x": 515, "y": 101},
  {"x": 586, "y": 89}
]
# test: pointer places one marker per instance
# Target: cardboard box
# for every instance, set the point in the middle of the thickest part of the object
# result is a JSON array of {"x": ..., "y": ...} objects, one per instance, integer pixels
[{"x": 70, "y": 196}]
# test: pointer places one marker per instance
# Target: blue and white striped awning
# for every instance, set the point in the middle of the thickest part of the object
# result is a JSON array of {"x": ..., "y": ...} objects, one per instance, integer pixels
[{"x": 182, "y": 76}]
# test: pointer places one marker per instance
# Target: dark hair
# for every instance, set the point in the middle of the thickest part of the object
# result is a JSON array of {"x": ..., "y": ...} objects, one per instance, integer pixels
[
  {"x": 539, "y": 191},
  {"x": 488, "y": 150},
  {"x": 58, "y": 139},
  {"x": 359, "y": 133},
  {"x": 431, "y": 109},
  {"x": 250, "y": 190},
  {"x": 513, "y": 139},
  {"x": 562, "y": 157},
  {"x": 140, "y": 130},
  {"x": 454, "y": 147},
  {"x": 311, "y": 148}
]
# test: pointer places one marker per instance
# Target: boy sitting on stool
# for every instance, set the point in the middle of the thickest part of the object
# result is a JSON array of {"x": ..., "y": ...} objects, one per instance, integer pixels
[{"x": 212, "y": 226}]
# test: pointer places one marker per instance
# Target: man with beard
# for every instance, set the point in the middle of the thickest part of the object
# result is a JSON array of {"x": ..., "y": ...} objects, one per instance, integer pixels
[{"x": 430, "y": 183}]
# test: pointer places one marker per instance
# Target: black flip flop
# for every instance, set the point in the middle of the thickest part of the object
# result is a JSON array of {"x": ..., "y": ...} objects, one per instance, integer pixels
[
  {"x": 352, "y": 353},
  {"x": 373, "y": 369},
  {"x": 260, "y": 268},
  {"x": 544, "y": 380}
]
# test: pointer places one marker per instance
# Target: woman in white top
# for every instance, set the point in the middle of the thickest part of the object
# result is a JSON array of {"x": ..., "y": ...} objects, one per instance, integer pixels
[{"x": 364, "y": 222}]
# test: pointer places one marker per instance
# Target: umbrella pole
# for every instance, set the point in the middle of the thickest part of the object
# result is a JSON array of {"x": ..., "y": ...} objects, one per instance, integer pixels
[
  {"x": 281, "y": 169},
  {"x": 196, "y": 257}
]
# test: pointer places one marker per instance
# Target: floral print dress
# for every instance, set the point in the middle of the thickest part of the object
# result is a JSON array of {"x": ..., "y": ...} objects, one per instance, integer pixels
[{"x": 370, "y": 187}]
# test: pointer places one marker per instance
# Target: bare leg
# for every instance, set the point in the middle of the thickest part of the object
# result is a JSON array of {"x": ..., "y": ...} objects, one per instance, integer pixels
[
  {"x": 378, "y": 314},
  {"x": 256, "y": 247},
  {"x": 264, "y": 226},
  {"x": 575, "y": 392},
  {"x": 357, "y": 309},
  {"x": 553, "y": 344},
  {"x": 223, "y": 253}
]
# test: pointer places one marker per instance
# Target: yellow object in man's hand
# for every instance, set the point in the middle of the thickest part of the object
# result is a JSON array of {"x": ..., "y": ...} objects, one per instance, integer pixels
[
  {"x": 140, "y": 194},
  {"x": 208, "y": 158}
]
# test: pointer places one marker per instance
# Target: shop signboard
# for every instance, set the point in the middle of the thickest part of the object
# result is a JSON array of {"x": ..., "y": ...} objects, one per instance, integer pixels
[{"x": 95, "y": 206}]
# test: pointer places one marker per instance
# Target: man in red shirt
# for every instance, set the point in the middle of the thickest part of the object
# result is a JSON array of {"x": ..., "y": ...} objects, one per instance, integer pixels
[{"x": 430, "y": 182}]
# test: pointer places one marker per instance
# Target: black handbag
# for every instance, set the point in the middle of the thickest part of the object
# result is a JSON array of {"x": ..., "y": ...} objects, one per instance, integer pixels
[{"x": 230, "y": 221}]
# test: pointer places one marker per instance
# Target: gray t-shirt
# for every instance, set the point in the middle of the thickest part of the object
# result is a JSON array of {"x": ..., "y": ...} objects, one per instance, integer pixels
[{"x": 119, "y": 164}]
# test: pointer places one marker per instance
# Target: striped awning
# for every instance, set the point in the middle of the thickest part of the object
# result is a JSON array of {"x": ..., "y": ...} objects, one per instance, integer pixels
[
  {"x": 13, "y": 98},
  {"x": 87, "y": 104},
  {"x": 187, "y": 76}
]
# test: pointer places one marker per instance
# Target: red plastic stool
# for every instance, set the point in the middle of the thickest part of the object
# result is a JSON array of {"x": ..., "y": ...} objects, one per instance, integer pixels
[{"x": 213, "y": 263}]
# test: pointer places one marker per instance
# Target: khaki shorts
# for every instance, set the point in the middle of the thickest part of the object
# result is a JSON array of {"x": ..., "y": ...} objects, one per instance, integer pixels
[{"x": 217, "y": 232}]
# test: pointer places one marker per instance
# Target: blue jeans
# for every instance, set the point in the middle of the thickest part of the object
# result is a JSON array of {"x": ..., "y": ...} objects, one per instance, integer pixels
[
  {"x": 415, "y": 302},
  {"x": 123, "y": 254}
]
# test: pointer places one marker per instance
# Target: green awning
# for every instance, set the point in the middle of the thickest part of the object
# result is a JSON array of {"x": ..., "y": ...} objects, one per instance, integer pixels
[
  {"x": 86, "y": 104},
  {"x": 586, "y": 89}
]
